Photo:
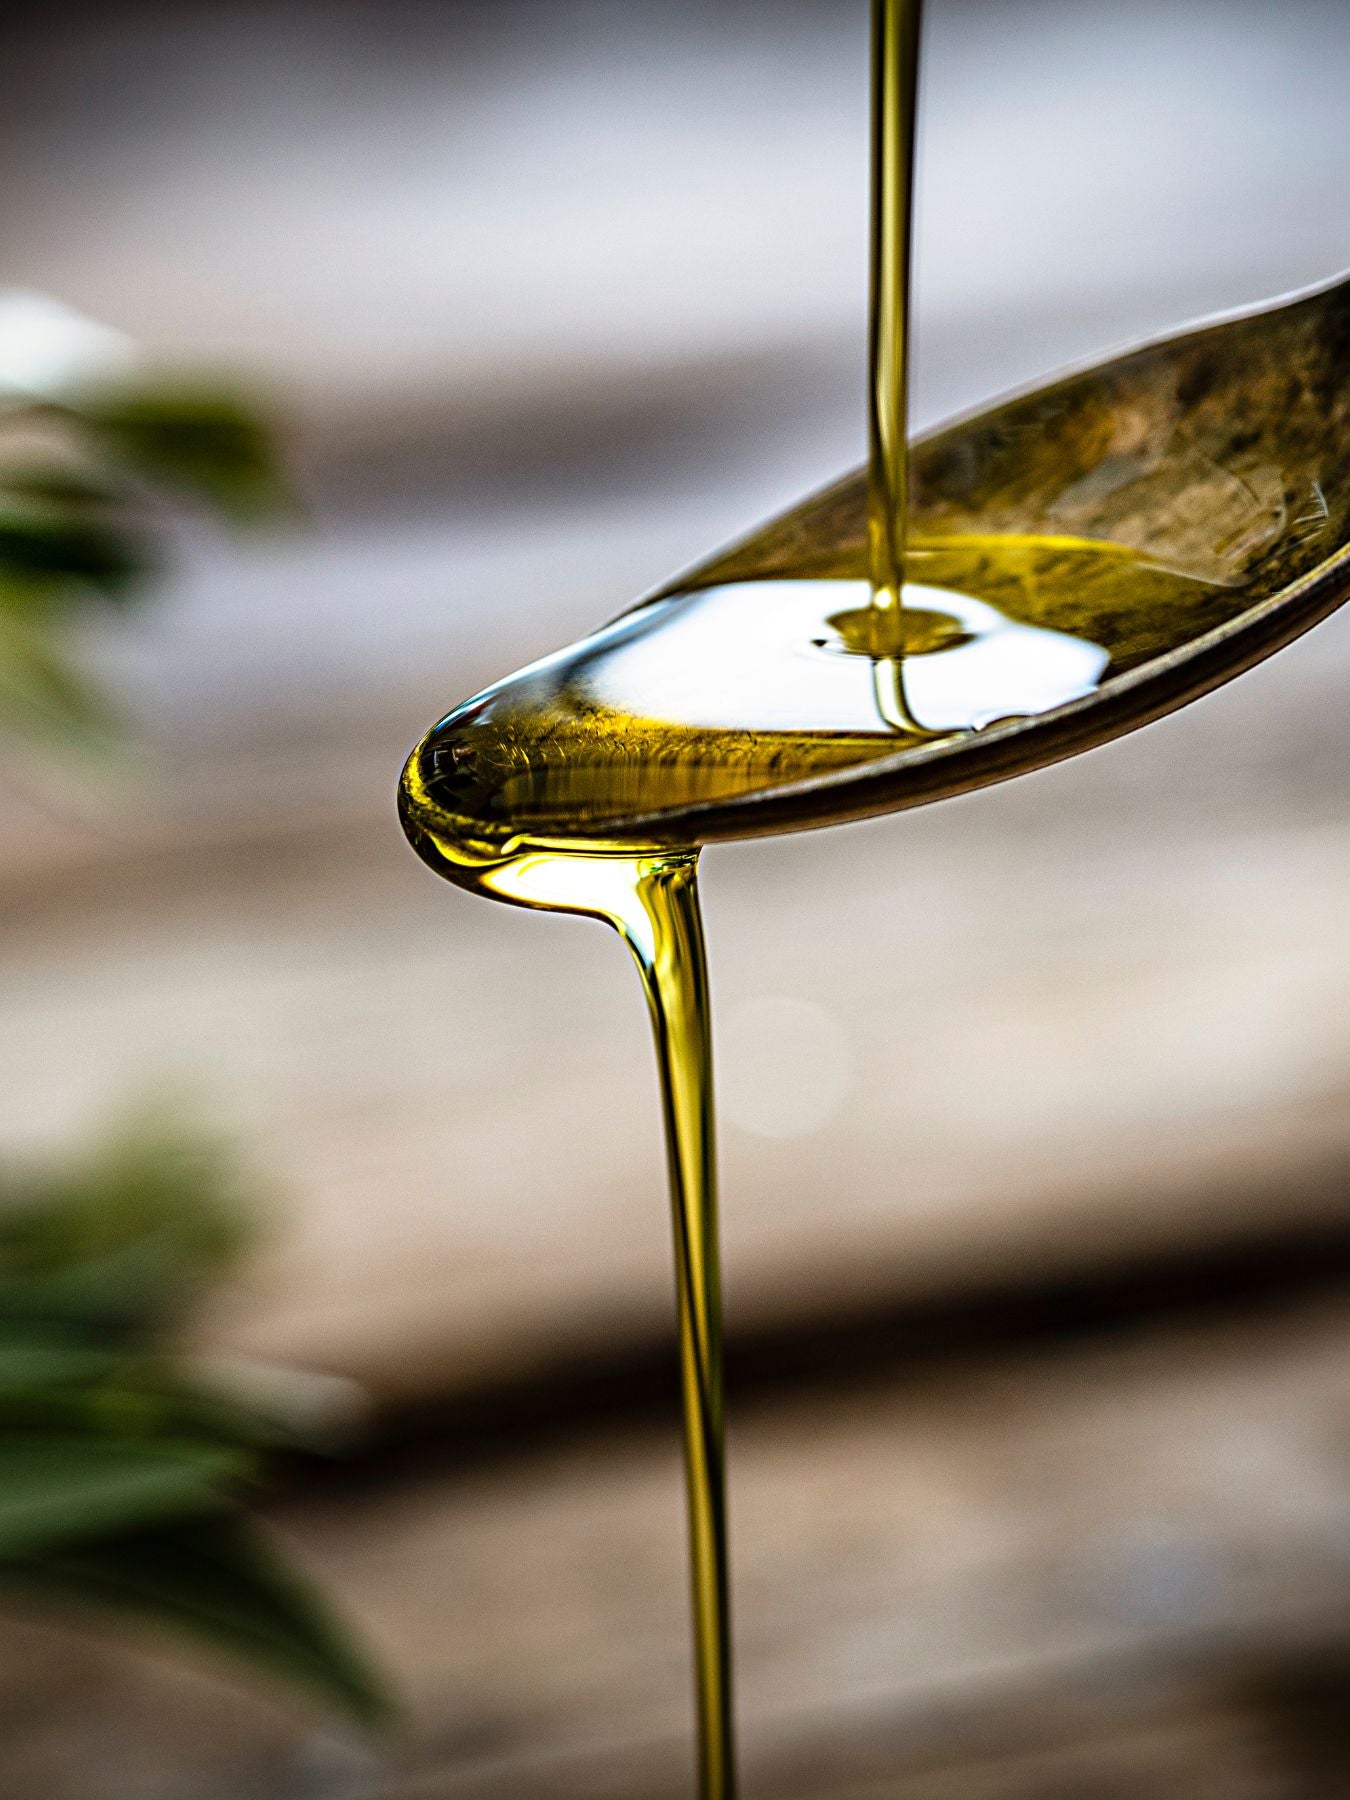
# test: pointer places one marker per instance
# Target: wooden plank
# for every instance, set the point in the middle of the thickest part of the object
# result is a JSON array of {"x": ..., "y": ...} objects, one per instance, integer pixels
[{"x": 1113, "y": 1566}]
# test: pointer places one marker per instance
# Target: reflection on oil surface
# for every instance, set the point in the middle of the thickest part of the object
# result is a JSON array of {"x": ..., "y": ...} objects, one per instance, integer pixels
[{"x": 712, "y": 692}]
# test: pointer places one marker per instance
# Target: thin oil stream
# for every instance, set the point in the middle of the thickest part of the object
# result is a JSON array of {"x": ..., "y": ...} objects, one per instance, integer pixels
[
  {"x": 895, "y": 91},
  {"x": 652, "y": 901},
  {"x": 765, "y": 668}
]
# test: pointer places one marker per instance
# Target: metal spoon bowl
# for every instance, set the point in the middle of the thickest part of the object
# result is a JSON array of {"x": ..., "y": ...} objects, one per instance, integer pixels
[
  {"x": 1224, "y": 451},
  {"x": 1183, "y": 509}
]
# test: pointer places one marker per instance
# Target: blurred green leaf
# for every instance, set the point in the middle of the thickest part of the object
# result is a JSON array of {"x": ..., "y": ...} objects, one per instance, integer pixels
[
  {"x": 217, "y": 1579},
  {"x": 83, "y": 439},
  {"x": 116, "y": 1468},
  {"x": 41, "y": 693},
  {"x": 51, "y": 549},
  {"x": 126, "y": 1240},
  {"x": 118, "y": 1473},
  {"x": 58, "y": 1488},
  {"x": 132, "y": 1398},
  {"x": 34, "y": 1359},
  {"x": 207, "y": 444},
  {"x": 63, "y": 483}
]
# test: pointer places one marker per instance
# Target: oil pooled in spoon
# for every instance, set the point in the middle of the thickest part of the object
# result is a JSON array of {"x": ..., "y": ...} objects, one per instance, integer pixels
[{"x": 709, "y": 693}]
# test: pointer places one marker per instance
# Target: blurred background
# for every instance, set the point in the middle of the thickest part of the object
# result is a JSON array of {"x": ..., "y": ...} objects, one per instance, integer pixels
[{"x": 1036, "y": 1114}]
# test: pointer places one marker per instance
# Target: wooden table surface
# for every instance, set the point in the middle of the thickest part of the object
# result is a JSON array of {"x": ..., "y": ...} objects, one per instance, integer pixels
[{"x": 1091, "y": 1023}]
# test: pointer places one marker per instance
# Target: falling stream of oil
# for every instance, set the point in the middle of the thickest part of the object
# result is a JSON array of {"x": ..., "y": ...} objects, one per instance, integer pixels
[
  {"x": 895, "y": 90},
  {"x": 733, "y": 683},
  {"x": 652, "y": 901}
]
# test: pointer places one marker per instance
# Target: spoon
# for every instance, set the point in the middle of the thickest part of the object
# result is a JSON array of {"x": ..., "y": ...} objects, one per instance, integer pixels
[{"x": 1208, "y": 476}]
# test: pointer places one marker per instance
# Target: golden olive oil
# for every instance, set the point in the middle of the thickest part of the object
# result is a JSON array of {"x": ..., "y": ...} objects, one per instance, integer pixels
[
  {"x": 652, "y": 902},
  {"x": 561, "y": 750},
  {"x": 869, "y": 623},
  {"x": 895, "y": 88}
]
